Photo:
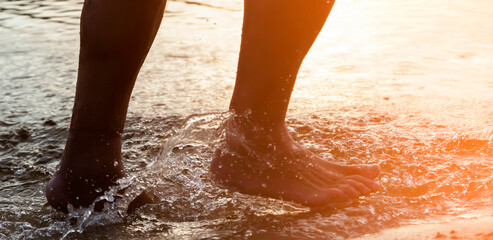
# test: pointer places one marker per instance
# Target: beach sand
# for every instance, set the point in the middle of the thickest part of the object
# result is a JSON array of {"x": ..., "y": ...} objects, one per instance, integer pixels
[{"x": 474, "y": 228}]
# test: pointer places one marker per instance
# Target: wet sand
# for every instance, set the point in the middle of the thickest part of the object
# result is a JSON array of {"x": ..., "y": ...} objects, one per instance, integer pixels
[{"x": 465, "y": 229}]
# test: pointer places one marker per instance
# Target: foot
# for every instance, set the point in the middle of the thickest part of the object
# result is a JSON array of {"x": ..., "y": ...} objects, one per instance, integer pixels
[
  {"x": 268, "y": 162},
  {"x": 91, "y": 163}
]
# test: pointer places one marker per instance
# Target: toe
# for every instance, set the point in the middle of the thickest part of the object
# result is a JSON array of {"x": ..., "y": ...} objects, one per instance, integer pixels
[
  {"x": 372, "y": 171},
  {"x": 349, "y": 190},
  {"x": 368, "y": 171},
  {"x": 331, "y": 196},
  {"x": 362, "y": 188},
  {"x": 372, "y": 185}
]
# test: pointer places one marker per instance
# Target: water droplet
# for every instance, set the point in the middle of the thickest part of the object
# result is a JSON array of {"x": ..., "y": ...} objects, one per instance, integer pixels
[{"x": 98, "y": 190}]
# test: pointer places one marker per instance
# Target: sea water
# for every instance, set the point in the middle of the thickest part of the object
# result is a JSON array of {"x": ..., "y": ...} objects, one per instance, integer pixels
[{"x": 403, "y": 84}]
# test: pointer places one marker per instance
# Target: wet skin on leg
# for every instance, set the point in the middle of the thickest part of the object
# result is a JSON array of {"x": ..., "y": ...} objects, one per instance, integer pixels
[
  {"x": 116, "y": 36},
  {"x": 259, "y": 156}
]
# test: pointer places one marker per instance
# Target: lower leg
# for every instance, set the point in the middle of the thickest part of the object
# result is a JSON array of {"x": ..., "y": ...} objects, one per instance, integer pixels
[
  {"x": 260, "y": 156},
  {"x": 115, "y": 38},
  {"x": 277, "y": 35}
]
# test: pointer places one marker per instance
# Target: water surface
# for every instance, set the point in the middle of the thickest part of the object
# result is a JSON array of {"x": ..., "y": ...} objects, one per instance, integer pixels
[{"x": 404, "y": 84}]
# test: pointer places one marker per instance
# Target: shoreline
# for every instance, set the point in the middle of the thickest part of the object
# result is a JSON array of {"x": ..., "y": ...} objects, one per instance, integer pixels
[{"x": 472, "y": 228}]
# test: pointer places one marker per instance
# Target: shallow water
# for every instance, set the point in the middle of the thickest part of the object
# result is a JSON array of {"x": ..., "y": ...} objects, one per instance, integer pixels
[{"x": 403, "y": 84}]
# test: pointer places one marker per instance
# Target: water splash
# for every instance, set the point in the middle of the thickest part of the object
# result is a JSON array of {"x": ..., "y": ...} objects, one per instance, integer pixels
[
  {"x": 180, "y": 180},
  {"x": 421, "y": 178}
]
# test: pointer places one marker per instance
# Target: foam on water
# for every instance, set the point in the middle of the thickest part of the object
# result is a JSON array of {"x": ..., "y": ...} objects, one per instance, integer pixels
[
  {"x": 424, "y": 180},
  {"x": 424, "y": 177}
]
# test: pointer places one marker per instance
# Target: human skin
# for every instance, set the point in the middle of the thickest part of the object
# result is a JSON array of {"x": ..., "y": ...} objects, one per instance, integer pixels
[{"x": 258, "y": 157}]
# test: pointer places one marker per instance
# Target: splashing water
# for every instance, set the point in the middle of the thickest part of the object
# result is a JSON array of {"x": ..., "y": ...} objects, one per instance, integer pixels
[
  {"x": 190, "y": 203},
  {"x": 424, "y": 115},
  {"x": 180, "y": 179}
]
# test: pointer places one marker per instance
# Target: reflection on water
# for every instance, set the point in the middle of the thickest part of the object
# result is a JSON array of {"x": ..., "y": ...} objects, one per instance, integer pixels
[{"x": 403, "y": 84}]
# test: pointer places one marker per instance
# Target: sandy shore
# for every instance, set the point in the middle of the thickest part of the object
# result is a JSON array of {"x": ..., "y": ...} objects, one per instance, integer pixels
[{"x": 476, "y": 228}]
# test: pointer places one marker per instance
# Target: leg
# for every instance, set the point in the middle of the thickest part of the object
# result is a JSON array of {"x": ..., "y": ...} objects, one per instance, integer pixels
[
  {"x": 115, "y": 38},
  {"x": 260, "y": 157}
]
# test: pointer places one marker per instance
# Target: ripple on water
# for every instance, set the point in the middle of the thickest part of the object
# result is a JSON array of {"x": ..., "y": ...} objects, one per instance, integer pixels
[
  {"x": 417, "y": 183},
  {"x": 423, "y": 176}
]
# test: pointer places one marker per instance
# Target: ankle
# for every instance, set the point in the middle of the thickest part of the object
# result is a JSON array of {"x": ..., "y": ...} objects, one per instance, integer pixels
[
  {"x": 86, "y": 152},
  {"x": 96, "y": 121},
  {"x": 257, "y": 126},
  {"x": 245, "y": 134}
]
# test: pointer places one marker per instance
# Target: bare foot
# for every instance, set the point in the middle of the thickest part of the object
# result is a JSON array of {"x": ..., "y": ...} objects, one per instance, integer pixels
[
  {"x": 268, "y": 162},
  {"x": 91, "y": 163}
]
